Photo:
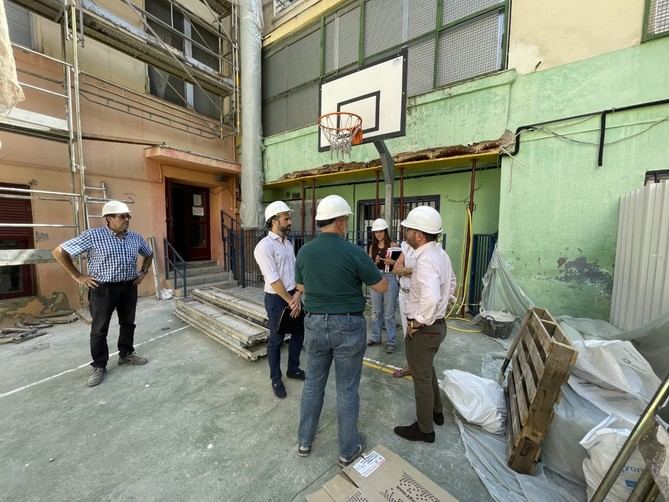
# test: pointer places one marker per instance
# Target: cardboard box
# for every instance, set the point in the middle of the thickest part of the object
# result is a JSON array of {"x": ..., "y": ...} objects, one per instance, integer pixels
[{"x": 380, "y": 475}]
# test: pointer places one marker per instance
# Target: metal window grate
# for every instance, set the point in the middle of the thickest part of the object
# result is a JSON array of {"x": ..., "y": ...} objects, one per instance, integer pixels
[
  {"x": 300, "y": 107},
  {"x": 281, "y": 5},
  {"x": 658, "y": 17},
  {"x": 303, "y": 60},
  {"x": 18, "y": 20},
  {"x": 471, "y": 49},
  {"x": 421, "y": 17},
  {"x": 421, "y": 67},
  {"x": 457, "y": 9},
  {"x": 274, "y": 74},
  {"x": 383, "y": 25},
  {"x": 349, "y": 34}
]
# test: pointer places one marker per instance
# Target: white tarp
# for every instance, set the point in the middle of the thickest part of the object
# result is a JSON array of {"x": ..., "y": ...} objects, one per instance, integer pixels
[{"x": 10, "y": 90}]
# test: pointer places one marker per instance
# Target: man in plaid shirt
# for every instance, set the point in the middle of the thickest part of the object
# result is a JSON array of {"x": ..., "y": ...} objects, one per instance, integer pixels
[{"x": 112, "y": 281}]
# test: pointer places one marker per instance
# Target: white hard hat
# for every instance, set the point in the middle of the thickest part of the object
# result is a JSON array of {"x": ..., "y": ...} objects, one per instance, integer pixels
[
  {"x": 423, "y": 218},
  {"x": 379, "y": 224},
  {"x": 274, "y": 208},
  {"x": 332, "y": 206},
  {"x": 115, "y": 207}
]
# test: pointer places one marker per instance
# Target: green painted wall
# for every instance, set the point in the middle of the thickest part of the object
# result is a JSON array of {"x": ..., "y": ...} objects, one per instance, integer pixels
[
  {"x": 453, "y": 192},
  {"x": 557, "y": 210}
]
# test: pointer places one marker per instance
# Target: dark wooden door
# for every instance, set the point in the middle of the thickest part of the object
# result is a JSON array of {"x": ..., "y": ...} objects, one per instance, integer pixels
[
  {"x": 188, "y": 220},
  {"x": 16, "y": 280}
]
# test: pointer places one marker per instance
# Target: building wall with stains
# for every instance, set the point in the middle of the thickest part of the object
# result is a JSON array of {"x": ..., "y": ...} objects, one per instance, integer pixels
[{"x": 558, "y": 207}]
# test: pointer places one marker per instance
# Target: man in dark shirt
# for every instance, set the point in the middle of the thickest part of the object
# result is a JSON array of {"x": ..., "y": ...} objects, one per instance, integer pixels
[
  {"x": 330, "y": 272},
  {"x": 112, "y": 280}
]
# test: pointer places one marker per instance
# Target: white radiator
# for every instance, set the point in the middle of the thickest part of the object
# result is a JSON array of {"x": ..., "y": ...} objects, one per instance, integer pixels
[{"x": 641, "y": 277}]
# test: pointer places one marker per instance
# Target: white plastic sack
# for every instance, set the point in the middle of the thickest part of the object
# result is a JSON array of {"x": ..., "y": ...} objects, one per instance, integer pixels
[
  {"x": 603, "y": 444},
  {"x": 480, "y": 401},
  {"x": 609, "y": 401},
  {"x": 574, "y": 417},
  {"x": 166, "y": 294},
  {"x": 615, "y": 364}
]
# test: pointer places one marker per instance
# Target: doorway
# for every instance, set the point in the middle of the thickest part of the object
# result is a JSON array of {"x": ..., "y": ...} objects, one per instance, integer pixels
[
  {"x": 188, "y": 220},
  {"x": 16, "y": 280}
]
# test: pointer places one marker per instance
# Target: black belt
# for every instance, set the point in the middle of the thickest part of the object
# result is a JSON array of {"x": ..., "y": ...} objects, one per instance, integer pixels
[
  {"x": 436, "y": 321},
  {"x": 345, "y": 313}
]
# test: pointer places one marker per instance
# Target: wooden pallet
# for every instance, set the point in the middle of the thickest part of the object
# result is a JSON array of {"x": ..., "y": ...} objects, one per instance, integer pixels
[{"x": 541, "y": 358}]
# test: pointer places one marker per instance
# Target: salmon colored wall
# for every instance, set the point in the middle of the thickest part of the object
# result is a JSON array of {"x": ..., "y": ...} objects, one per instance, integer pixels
[{"x": 122, "y": 167}]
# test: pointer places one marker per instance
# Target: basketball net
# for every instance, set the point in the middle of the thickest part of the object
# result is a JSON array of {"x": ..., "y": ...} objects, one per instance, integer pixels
[{"x": 342, "y": 130}]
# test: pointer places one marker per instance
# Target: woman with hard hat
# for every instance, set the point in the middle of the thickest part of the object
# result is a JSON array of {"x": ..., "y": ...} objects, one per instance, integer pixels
[{"x": 383, "y": 304}]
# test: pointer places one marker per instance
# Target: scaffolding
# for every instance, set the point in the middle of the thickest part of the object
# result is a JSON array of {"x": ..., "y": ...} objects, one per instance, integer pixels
[{"x": 218, "y": 80}]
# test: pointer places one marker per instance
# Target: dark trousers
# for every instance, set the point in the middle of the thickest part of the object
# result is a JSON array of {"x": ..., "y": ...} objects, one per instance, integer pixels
[
  {"x": 274, "y": 306},
  {"x": 420, "y": 352},
  {"x": 103, "y": 300}
]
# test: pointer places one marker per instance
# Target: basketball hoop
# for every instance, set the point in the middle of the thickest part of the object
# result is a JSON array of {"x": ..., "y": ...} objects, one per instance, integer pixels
[{"x": 342, "y": 130}]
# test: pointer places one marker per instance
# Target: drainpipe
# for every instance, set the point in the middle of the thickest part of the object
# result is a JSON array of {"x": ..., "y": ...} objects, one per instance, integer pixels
[{"x": 250, "y": 44}]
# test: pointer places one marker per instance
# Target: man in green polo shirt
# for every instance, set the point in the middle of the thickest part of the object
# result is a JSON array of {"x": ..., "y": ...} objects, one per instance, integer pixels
[{"x": 330, "y": 272}]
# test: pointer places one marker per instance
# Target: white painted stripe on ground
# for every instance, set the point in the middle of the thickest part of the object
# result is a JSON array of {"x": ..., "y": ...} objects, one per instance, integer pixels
[{"x": 49, "y": 378}]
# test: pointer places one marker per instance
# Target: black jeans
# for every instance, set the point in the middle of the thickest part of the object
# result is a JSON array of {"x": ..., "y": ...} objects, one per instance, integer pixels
[
  {"x": 274, "y": 306},
  {"x": 103, "y": 300}
]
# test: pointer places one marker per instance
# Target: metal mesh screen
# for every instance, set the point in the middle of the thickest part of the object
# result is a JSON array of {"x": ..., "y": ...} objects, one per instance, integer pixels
[
  {"x": 471, "y": 49},
  {"x": 421, "y": 17},
  {"x": 302, "y": 107},
  {"x": 330, "y": 45},
  {"x": 658, "y": 17},
  {"x": 274, "y": 116},
  {"x": 383, "y": 25},
  {"x": 274, "y": 74},
  {"x": 349, "y": 35},
  {"x": 457, "y": 9},
  {"x": 421, "y": 67},
  {"x": 303, "y": 60}
]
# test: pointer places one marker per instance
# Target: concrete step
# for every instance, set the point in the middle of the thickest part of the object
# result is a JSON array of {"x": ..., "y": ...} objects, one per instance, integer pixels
[
  {"x": 199, "y": 264},
  {"x": 220, "y": 285},
  {"x": 193, "y": 281},
  {"x": 194, "y": 272}
]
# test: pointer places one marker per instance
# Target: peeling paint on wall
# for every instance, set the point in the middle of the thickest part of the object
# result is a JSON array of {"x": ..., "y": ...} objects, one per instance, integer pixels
[
  {"x": 41, "y": 236},
  {"x": 581, "y": 271},
  {"x": 32, "y": 305}
]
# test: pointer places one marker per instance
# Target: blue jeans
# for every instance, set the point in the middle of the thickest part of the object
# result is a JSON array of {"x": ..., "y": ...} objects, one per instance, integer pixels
[
  {"x": 274, "y": 306},
  {"x": 342, "y": 338},
  {"x": 383, "y": 311}
]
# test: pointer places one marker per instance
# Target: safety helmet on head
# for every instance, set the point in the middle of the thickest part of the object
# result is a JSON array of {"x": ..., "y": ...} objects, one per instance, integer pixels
[
  {"x": 115, "y": 207},
  {"x": 274, "y": 208},
  {"x": 424, "y": 218},
  {"x": 379, "y": 224},
  {"x": 331, "y": 207}
]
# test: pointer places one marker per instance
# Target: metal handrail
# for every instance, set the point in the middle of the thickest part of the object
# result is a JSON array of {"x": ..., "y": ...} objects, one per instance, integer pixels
[{"x": 178, "y": 260}]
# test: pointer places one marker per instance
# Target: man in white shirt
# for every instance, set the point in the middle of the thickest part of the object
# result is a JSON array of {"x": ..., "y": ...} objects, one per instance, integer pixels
[
  {"x": 276, "y": 258},
  {"x": 432, "y": 285}
]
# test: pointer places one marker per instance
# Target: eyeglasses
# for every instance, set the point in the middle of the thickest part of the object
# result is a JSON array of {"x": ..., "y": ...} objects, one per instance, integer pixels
[{"x": 123, "y": 216}]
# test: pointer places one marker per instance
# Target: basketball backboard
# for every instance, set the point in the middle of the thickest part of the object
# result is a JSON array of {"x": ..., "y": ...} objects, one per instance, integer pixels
[{"x": 376, "y": 92}]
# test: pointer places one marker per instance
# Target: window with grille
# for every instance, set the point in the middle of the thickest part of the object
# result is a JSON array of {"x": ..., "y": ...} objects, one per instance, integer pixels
[
  {"x": 18, "y": 21},
  {"x": 656, "y": 19},
  {"x": 448, "y": 41},
  {"x": 656, "y": 176},
  {"x": 196, "y": 42},
  {"x": 282, "y": 5}
]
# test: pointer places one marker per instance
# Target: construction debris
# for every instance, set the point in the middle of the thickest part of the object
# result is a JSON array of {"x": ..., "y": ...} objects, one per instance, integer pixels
[
  {"x": 230, "y": 321},
  {"x": 18, "y": 335},
  {"x": 541, "y": 358}
]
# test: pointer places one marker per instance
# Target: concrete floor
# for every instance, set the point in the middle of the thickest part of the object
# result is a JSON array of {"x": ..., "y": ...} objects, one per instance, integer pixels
[{"x": 197, "y": 423}]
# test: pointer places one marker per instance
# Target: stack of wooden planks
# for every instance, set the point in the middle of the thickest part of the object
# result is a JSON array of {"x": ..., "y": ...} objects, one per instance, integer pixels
[
  {"x": 239, "y": 325},
  {"x": 541, "y": 358}
]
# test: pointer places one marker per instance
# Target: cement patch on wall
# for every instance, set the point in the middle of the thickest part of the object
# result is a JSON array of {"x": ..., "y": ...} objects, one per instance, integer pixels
[{"x": 583, "y": 272}]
